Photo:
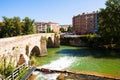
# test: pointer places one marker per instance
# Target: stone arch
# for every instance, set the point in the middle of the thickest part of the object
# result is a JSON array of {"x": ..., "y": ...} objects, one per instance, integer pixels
[
  {"x": 21, "y": 59},
  {"x": 27, "y": 50},
  {"x": 35, "y": 51},
  {"x": 50, "y": 42}
]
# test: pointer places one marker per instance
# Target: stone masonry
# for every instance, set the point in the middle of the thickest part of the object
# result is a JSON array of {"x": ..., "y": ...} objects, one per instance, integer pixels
[{"x": 20, "y": 47}]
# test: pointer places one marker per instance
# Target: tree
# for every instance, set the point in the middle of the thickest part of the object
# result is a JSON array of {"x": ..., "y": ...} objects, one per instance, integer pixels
[
  {"x": 14, "y": 27},
  {"x": 8, "y": 27},
  {"x": 18, "y": 26},
  {"x": 62, "y": 29},
  {"x": 28, "y": 27},
  {"x": 109, "y": 22},
  {"x": 49, "y": 30},
  {"x": 70, "y": 29}
]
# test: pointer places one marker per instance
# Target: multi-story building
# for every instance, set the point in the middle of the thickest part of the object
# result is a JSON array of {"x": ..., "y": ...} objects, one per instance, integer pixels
[
  {"x": 85, "y": 23},
  {"x": 40, "y": 27},
  {"x": 53, "y": 26},
  {"x": 43, "y": 26}
]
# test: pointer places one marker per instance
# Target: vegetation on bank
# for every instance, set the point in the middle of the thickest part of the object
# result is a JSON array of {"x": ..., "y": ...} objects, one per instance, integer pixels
[
  {"x": 70, "y": 29},
  {"x": 109, "y": 27},
  {"x": 6, "y": 67},
  {"x": 15, "y": 27}
]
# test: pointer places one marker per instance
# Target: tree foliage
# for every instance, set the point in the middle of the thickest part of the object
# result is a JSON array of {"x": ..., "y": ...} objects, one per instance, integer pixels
[
  {"x": 28, "y": 27},
  {"x": 109, "y": 22},
  {"x": 18, "y": 26},
  {"x": 70, "y": 29},
  {"x": 49, "y": 30},
  {"x": 14, "y": 26},
  {"x": 62, "y": 29}
]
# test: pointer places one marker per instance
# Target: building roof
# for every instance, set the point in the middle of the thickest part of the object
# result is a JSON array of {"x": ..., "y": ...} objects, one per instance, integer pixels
[
  {"x": 94, "y": 12},
  {"x": 52, "y": 23},
  {"x": 46, "y": 23},
  {"x": 40, "y": 22}
]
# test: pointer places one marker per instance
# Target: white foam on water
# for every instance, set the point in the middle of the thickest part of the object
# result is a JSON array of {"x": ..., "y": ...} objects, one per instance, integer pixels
[
  {"x": 59, "y": 64},
  {"x": 26, "y": 59},
  {"x": 42, "y": 76}
]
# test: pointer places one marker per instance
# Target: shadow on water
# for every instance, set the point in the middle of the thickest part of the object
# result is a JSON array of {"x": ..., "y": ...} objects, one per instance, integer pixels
[{"x": 84, "y": 52}]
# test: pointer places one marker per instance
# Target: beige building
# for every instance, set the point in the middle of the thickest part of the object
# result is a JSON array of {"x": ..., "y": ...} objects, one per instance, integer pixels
[{"x": 43, "y": 26}]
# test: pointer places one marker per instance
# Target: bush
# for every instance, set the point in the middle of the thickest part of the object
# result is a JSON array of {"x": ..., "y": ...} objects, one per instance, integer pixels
[
  {"x": 6, "y": 67},
  {"x": 33, "y": 60}
]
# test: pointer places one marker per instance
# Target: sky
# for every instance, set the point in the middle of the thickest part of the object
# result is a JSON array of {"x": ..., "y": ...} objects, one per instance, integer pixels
[{"x": 60, "y": 11}]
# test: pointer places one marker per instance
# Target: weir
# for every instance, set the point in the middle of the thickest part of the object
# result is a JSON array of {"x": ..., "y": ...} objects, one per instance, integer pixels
[{"x": 75, "y": 75}]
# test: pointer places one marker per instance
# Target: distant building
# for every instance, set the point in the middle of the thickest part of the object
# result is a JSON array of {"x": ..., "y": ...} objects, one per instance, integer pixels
[
  {"x": 40, "y": 27},
  {"x": 54, "y": 26},
  {"x": 85, "y": 23},
  {"x": 43, "y": 26}
]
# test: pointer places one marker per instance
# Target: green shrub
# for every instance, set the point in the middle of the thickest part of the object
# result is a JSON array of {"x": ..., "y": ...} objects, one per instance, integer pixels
[
  {"x": 6, "y": 67},
  {"x": 33, "y": 60}
]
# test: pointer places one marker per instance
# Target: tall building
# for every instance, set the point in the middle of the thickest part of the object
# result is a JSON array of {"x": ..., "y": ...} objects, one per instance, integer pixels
[
  {"x": 85, "y": 23},
  {"x": 43, "y": 26}
]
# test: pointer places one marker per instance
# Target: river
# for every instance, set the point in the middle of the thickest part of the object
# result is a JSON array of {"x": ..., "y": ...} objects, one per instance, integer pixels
[{"x": 81, "y": 59}]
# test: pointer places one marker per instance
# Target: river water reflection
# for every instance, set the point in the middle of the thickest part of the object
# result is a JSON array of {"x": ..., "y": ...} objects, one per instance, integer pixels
[{"x": 81, "y": 59}]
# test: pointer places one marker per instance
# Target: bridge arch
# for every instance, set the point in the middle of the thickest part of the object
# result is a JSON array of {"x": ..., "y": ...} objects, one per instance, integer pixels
[
  {"x": 21, "y": 59},
  {"x": 35, "y": 51},
  {"x": 50, "y": 42}
]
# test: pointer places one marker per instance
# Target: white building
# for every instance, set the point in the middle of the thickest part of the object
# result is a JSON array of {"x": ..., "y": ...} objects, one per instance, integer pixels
[{"x": 43, "y": 26}]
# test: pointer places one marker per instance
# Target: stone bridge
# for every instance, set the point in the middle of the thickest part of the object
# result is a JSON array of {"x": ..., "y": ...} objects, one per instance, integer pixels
[{"x": 19, "y": 49}]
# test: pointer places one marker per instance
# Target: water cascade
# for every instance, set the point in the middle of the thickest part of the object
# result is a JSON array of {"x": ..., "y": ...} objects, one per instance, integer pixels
[{"x": 60, "y": 64}]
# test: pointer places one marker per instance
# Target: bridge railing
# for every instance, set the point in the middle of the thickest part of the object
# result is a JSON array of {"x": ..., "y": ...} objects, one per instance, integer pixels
[{"x": 15, "y": 73}]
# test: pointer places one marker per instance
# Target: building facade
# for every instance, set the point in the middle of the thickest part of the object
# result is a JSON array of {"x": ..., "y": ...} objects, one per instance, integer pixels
[
  {"x": 85, "y": 23},
  {"x": 43, "y": 27}
]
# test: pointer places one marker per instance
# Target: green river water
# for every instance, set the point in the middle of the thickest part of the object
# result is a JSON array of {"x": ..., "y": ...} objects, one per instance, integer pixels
[{"x": 88, "y": 60}]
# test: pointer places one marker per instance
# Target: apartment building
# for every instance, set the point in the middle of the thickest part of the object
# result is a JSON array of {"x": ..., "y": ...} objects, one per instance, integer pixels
[
  {"x": 54, "y": 26},
  {"x": 85, "y": 23},
  {"x": 43, "y": 26}
]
